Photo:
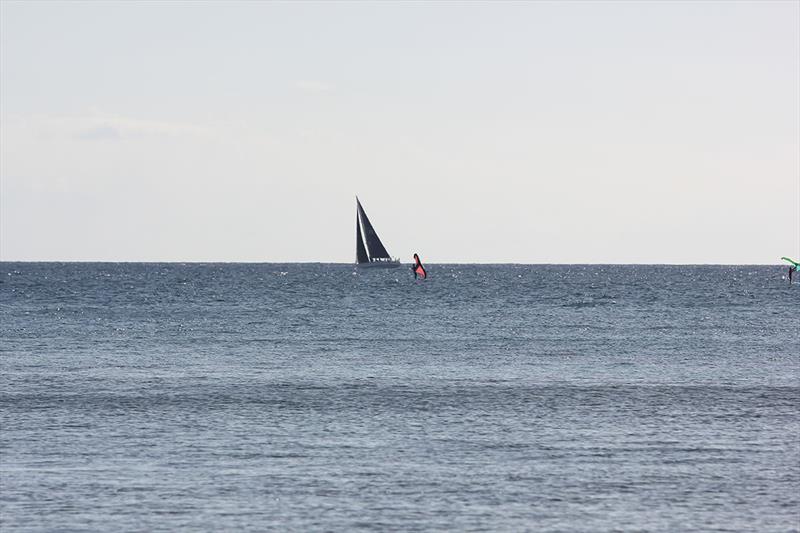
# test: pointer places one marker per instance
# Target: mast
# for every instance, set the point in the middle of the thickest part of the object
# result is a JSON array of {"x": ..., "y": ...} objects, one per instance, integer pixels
[{"x": 361, "y": 252}]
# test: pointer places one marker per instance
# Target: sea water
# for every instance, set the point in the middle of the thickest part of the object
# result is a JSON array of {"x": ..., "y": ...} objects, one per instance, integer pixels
[{"x": 311, "y": 397}]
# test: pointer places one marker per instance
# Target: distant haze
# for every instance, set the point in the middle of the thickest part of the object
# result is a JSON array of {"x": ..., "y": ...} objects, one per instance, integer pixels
[{"x": 541, "y": 132}]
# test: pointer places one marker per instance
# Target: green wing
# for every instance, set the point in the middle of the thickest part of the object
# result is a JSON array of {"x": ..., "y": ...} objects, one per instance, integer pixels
[{"x": 795, "y": 263}]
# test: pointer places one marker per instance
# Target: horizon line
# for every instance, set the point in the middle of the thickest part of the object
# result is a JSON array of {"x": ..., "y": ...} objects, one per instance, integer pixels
[{"x": 194, "y": 262}]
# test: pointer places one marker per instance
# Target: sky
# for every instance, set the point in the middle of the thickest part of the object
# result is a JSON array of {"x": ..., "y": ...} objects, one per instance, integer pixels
[{"x": 477, "y": 132}]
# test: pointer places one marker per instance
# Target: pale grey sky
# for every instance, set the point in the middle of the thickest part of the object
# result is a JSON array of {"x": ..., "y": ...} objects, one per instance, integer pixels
[{"x": 539, "y": 132}]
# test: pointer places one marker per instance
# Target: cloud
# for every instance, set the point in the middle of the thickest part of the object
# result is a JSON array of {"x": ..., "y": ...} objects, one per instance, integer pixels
[
  {"x": 99, "y": 133},
  {"x": 103, "y": 127},
  {"x": 311, "y": 86},
  {"x": 121, "y": 127}
]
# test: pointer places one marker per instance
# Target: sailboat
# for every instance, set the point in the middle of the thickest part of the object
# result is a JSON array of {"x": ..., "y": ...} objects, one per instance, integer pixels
[{"x": 370, "y": 251}]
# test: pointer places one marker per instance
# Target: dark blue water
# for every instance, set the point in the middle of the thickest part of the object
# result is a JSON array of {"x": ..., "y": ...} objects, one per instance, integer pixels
[{"x": 309, "y": 397}]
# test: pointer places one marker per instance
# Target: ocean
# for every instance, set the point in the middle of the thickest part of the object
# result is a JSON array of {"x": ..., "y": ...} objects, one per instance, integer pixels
[{"x": 311, "y": 397}]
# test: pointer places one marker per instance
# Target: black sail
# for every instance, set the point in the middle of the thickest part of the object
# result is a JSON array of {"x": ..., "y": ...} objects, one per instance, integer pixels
[
  {"x": 361, "y": 252},
  {"x": 375, "y": 248}
]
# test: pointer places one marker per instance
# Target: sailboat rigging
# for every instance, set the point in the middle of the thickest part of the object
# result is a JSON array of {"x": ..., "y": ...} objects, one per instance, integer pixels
[{"x": 370, "y": 251}]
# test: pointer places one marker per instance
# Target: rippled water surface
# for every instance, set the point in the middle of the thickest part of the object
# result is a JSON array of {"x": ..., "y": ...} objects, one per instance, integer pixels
[{"x": 311, "y": 397}]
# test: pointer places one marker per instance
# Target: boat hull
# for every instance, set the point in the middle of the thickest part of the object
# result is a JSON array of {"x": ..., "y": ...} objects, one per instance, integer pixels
[{"x": 379, "y": 264}]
